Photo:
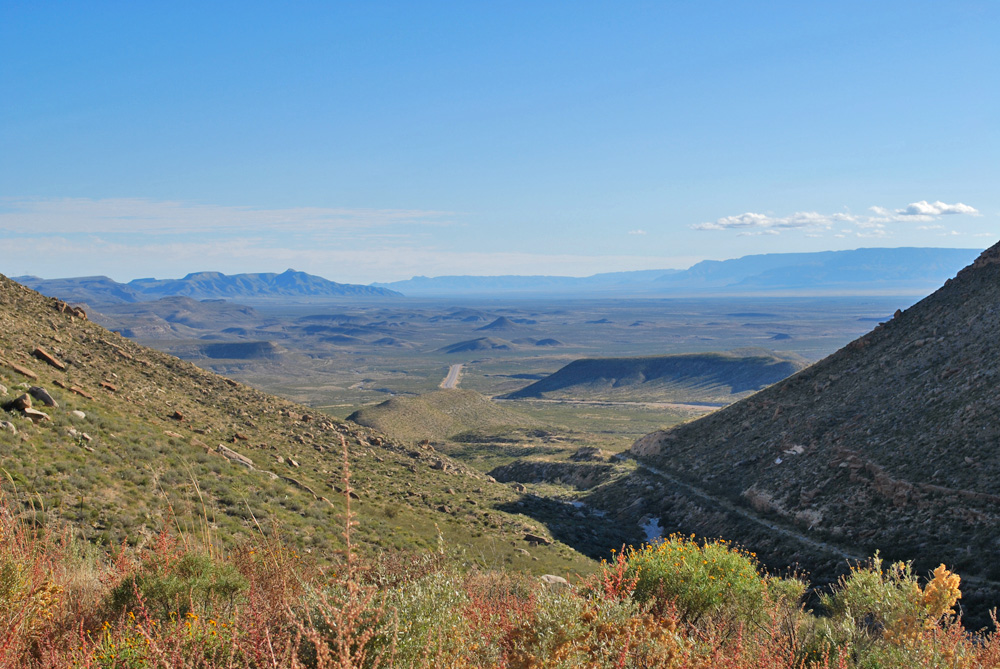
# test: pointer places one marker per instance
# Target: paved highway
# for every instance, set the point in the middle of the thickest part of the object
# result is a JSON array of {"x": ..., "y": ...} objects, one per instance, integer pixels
[{"x": 451, "y": 381}]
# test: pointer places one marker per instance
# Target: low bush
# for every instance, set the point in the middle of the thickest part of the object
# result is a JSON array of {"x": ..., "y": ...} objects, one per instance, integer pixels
[{"x": 707, "y": 579}]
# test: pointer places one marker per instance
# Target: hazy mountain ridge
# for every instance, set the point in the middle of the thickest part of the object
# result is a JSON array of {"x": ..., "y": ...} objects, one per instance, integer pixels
[
  {"x": 914, "y": 270},
  {"x": 199, "y": 285}
]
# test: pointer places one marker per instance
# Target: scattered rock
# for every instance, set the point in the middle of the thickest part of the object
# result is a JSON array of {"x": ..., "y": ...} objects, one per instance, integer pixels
[
  {"x": 293, "y": 463},
  {"x": 553, "y": 581},
  {"x": 43, "y": 396},
  {"x": 19, "y": 403},
  {"x": 177, "y": 415},
  {"x": 45, "y": 356},
  {"x": 23, "y": 371},
  {"x": 81, "y": 392},
  {"x": 7, "y": 425},
  {"x": 232, "y": 455},
  {"x": 172, "y": 434},
  {"x": 108, "y": 386},
  {"x": 35, "y": 415},
  {"x": 3, "y": 389},
  {"x": 76, "y": 413},
  {"x": 239, "y": 437},
  {"x": 536, "y": 540}
]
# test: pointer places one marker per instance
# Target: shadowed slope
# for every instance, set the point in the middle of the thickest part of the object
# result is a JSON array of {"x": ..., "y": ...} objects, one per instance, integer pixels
[
  {"x": 719, "y": 377},
  {"x": 890, "y": 443}
]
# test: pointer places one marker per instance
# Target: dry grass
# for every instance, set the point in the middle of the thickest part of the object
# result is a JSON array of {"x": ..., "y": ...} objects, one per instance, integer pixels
[{"x": 263, "y": 606}]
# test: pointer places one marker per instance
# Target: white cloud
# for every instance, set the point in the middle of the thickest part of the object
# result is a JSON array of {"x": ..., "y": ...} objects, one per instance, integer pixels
[
  {"x": 930, "y": 227},
  {"x": 800, "y": 219},
  {"x": 637, "y": 232},
  {"x": 813, "y": 222},
  {"x": 925, "y": 208}
]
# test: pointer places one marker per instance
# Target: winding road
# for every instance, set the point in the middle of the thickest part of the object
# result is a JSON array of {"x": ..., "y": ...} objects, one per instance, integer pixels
[{"x": 451, "y": 381}]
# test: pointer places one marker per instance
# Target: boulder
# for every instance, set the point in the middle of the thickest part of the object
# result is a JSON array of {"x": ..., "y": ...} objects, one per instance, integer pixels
[
  {"x": 23, "y": 371},
  {"x": 536, "y": 540},
  {"x": 234, "y": 456},
  {"x": 43, "y": 396},
  {"x": 45, "y": 356},
  {"x": 7, "y": 425},
  {"x": 554, "y": 582},
  {"x": 35, "y": 415},
  {"x": 19, "y": 403},
  {"x": 3, "y": 389},
  {"x": 76, "y": 413}
]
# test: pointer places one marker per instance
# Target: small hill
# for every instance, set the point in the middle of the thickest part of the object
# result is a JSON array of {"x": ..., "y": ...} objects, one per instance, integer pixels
[
  {"x": 549, "y": 342},
  {"x": 501, "y": 324},
  {"x": 702, "y": 377},
  {"x": 249, "y": 350},
  {"x": 480, "y": 344},
  {"x": 438, "y": 415},
  {"x": 888, "y": 444}
]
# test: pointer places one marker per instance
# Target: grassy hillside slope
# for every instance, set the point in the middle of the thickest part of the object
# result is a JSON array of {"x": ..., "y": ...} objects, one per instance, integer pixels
[
  {"x": 439, "y": 415},
  {"x": 140, "y": 440}
]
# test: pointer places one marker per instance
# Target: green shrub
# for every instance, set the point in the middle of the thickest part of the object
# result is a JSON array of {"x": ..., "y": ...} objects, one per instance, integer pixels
[
  {"x": 171, "y": 587},
  {"x": 713, "y": 579},
  {"x": 884, "y": 614}
]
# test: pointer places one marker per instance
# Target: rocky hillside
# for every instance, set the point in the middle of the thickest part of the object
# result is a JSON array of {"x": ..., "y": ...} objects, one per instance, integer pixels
[
  {"x": 712, "y": 377},
  {"x": 115, "y": 440},
  {"x": 889, "y": 444}
]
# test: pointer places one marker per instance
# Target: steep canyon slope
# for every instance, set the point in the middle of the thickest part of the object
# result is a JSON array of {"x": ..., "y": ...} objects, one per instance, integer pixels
[{"x": 892, "y": 443}]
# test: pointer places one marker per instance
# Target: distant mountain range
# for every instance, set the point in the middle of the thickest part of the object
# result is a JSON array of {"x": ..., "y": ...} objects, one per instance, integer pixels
[
  {"x": 879, "y": 270},
  {"x": 861, "y": 271},
  {"x": 100, "y": 290}
]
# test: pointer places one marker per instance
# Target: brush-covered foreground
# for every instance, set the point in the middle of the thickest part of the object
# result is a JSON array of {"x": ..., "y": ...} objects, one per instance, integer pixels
[{"x": 679, "y": 603}]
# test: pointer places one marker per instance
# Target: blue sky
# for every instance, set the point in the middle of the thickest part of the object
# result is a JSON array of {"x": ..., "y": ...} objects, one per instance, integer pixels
[{"x": 374, "y": 141}]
